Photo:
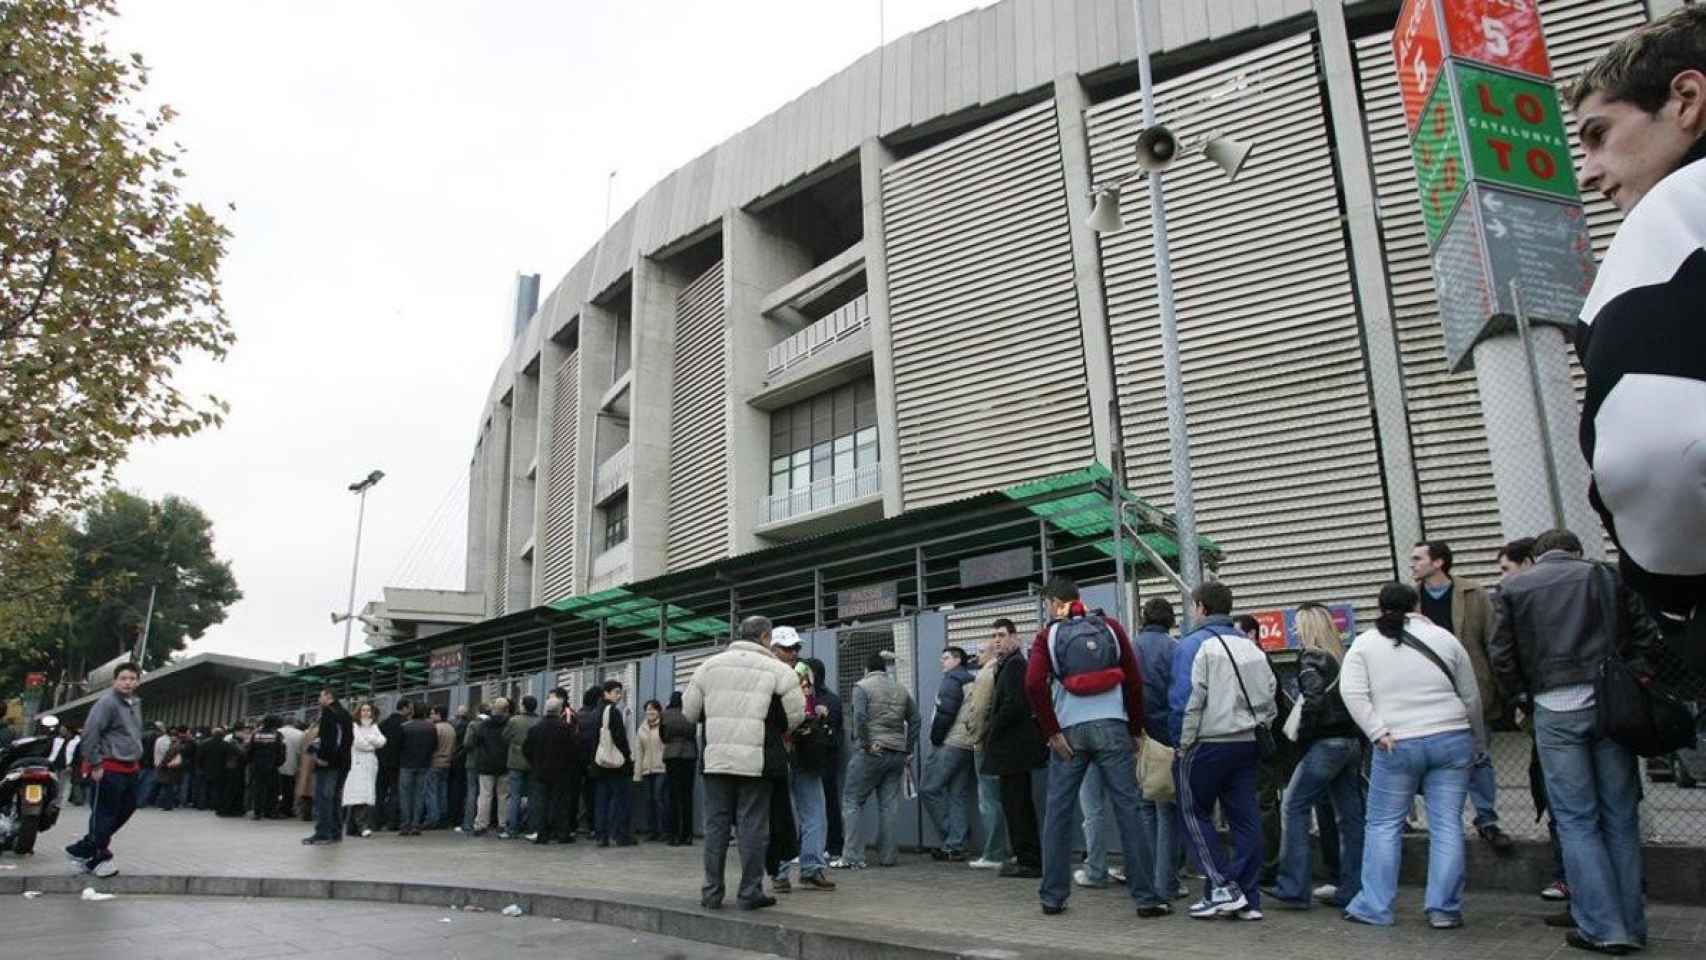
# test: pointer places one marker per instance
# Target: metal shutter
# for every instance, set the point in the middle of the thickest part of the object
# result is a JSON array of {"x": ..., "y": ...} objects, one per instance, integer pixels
[
  {"x": 1448, "y": 438},
  {"x": 1285, "y": 472},
  {"x": 558, "y": 550},
  {"x": 687, "y": 661},
  {"x": 698, "y": 426},
  {"x": 970, "y": 627},
  {"x": 988, "y": 356}
]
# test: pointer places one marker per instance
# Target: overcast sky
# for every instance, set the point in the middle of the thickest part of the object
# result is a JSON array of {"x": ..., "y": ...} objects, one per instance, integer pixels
[{"x": 393, "y": 165}]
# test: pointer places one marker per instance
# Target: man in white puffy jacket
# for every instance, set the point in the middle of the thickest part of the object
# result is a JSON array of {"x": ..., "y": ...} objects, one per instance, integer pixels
[{"x": 732, "y": 693}]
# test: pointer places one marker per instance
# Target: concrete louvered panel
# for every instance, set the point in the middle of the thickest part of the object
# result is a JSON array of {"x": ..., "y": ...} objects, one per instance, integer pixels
[
  {"x": 1454, "y": 472},
  {"x": 988, "y": 362},
  {"x": 698, "y": 426},
  {"x": 1283, "y": 452},
  {"x": 558, "y": 550}
]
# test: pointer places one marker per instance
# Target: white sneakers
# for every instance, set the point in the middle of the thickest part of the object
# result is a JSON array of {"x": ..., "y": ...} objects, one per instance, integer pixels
[
  {"x": 1223, "y": 901},
  {"x": 1081, "y": 876},
  {"x": 106, "y": 868},
  {"x": 982, "y": 864}
]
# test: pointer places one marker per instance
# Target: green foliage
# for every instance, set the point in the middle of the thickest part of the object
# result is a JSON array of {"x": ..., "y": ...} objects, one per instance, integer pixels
[
  {"x": 105, "y": 567},
  {"x": 108, "y": 279}
]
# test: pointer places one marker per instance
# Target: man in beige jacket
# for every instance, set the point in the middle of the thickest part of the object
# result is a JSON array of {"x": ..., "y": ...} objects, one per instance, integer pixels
[
  {"x": 731, "y": 693},
  {"x": 1461, "y": 606},
  {"x": 968, "y": 733}
]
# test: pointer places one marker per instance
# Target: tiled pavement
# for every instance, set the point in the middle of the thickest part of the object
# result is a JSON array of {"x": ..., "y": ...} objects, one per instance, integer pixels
[
  {"x": 231, "y": 928},
  {"x": 919, "y": 897}
]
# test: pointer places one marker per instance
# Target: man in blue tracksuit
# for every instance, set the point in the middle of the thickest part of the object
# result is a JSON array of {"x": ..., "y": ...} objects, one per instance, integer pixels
[{"x": 1222, "y": 689}]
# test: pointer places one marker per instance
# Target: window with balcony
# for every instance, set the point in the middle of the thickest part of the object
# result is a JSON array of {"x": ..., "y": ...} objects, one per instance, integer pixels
[
  {"x": 616, "y": 522},
  {"x": 823, "y": 452}
]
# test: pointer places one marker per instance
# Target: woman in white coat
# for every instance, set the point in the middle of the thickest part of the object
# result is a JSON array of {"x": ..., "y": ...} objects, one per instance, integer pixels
[{"x": 363, "y": 771}]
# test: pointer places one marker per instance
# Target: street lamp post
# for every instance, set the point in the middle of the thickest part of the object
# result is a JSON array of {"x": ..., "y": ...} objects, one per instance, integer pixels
[{"x": 360, "y": 487}]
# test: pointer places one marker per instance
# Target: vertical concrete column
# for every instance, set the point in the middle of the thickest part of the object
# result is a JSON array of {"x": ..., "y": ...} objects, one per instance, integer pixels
[
  {"x": 523, "y": 488},
  {"x": 477, "y": 549},
  {"x": 551, "y": 356},
  {"x": 598, "y": 353},
  {"x": 497, "y": 467},
  {"x": 1374, "y": 296},
  {"x": 1070, "y": 102},
  {"x": 873, "y": 157},
  {"x": 1518, "y": 446},
  {"x": 655, "y": 290},
  {"x": 1658, "y": 8},
  {"x": 756, "y": 262}
]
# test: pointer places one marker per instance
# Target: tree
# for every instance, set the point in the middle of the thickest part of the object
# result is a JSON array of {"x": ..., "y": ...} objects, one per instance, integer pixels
[
  {"x": 123, "y": 547},
  {"x": 107, "y": 277}
]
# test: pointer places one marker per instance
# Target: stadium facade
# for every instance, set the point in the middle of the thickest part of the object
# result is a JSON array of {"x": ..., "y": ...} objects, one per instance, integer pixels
[{"x": 883, "y": 297}]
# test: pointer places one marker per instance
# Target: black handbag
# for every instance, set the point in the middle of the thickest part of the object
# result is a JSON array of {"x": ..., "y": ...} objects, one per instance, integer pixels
[
  {"x": 1650, "y": 723},
  {"x": 1266, "y": 746}
]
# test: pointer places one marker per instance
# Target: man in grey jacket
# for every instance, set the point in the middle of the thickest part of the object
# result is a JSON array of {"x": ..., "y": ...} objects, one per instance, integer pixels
[
  {"x": 1560, "y": 619},
  {"x": 112, "y": 750},
  {"x": 884, "y": 732}
]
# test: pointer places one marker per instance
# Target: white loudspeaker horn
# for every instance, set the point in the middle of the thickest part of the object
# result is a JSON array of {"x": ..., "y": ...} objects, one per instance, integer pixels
[
  {"x": 1105, "y": 216},
  {"x": 1156, "y": 149},
  {"x": 1227, "y": 154}
]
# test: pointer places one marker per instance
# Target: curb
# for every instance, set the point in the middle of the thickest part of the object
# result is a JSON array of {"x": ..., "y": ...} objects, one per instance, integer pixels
[{"x": 798, "y": 937}]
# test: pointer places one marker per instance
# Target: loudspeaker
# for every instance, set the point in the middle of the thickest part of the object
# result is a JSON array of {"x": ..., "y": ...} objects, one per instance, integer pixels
[
  {"x": 1105, "y": 216},
  {"x": 1157, "y": 148},
  {"x": 1227, "y": 154}
]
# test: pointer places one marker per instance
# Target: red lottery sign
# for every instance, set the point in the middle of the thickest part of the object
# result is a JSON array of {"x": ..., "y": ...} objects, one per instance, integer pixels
[
  {"x": 1272, "y": 624},
  {"x": 1418, "y": 52},
  {"x": 1499, "y": 33}
]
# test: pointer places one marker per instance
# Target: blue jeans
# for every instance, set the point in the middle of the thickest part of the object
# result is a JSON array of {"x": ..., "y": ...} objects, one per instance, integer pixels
[
  {"x": 1161, "y": 821},
  {"x": 513, "y": 822},
  {"x": 869, "y": 773},
  {"x": 145, "y": 790},
  {"x": 435, "y": 797},
  {"x": 410, "y": 781},
  {"x": 1107, "y": 746},
  {"x": 811, "y": 815},
  {"x": 1484, "y": 791},
  {"x": 1594, "y": 788},
  {"x": 1330, "y": 768},
  {"x": 111, "y": 802},
  {"x": 994, "y": 821},
  {"x": 1093, "y": 806},
  {"x": 613, "y": 802},
  {"x": 1223, "y": 772},
  {"x": 947, "y": 794},
  {"x": 328, "y": 815},
  {"x": 1439, "y": 767},
  {"x": 656, "y": 798}
]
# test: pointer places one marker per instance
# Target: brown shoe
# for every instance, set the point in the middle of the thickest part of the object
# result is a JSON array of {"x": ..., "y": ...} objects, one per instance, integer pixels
[{"x": 818, "y": 882}]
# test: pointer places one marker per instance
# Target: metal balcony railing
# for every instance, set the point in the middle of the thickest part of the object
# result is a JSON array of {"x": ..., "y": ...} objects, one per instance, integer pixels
[
  {"x": 612, "y": 475},
  {"x": 830, "y": 492},
  {"x": 846, "y": 321}
]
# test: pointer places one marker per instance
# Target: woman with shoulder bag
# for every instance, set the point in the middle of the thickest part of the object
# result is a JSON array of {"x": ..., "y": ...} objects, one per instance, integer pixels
[
  {"x": 1411, "y": 687},
  {"x": 1330, "y": 766},
  {"x": 808, "y": 758},
  {"x": 613, "y": 766}
]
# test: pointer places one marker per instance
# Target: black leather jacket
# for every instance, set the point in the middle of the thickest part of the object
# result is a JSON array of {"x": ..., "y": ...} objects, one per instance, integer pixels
[
  {"x": 1556, "y": 624},
  {"x": 1324, "y": 712}
]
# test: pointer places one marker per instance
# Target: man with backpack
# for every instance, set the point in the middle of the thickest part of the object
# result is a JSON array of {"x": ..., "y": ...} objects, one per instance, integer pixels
[
  {"x": 1084, "y": 687},
  {"x": 1221, "y": 702}
]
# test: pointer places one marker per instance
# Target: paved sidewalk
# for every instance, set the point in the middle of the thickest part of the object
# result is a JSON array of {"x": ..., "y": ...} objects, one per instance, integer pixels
[
  {"x": 919, "y": 897},
  {"x": 63, "y": 927}
]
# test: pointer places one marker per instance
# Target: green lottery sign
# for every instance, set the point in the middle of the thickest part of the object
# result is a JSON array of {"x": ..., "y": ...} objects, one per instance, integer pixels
[{"x": 1438, "y": 152}]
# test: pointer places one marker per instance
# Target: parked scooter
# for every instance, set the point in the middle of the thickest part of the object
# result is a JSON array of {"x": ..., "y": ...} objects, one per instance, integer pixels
[{"x": 29, "y": 791}]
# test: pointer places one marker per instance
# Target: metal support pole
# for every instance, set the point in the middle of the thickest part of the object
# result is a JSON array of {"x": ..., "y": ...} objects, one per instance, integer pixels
[
  {"x": 1117, "y": 503},
  {"x": 1042, "y": 546},
  {"x": 147, "y": 622},
  {"x": 1184, "y": 509},
  {"x": 663, "y": 626},
  {"x": 918, "y": 572},
  {"x": 355, "y": 566},
  {"x": 817, "y": 598},
  {"x": 601, "y": 639},
  {"x": 1553, "y": 489}
]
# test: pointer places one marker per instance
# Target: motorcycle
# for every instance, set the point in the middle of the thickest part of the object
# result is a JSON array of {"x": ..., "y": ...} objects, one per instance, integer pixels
[{"x": 29, "y": 791}]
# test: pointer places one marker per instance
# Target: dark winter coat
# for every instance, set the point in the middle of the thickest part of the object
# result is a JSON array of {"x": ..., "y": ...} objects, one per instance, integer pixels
[
  {"x": 680, "y": 736},
  {"x": 491, "y": 750},
  {"x": 1012, "y": 742},
  {"x": 337, "y": 733},
  {"x": 950, "y": 696},
  {"x": 552, "y": 749},
  {"x": 618, "y": 733},
  {"x": 1324, "y": 713},
  {"x": 419, "y": 742},
  {"x": 390, "y": 755}
]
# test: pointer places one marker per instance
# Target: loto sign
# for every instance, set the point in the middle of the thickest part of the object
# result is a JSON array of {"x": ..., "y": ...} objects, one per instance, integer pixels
[{"x": 1487, "y": 130}]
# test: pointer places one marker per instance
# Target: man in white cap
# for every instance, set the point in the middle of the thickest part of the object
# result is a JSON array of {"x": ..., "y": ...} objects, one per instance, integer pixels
[{"x": 785, "y": 644}]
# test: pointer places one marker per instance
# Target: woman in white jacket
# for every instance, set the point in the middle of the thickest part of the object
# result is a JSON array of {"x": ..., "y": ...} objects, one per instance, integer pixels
[
  {"x": 363, "y": 771},
  {"x": 1411, "y": 687}
]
